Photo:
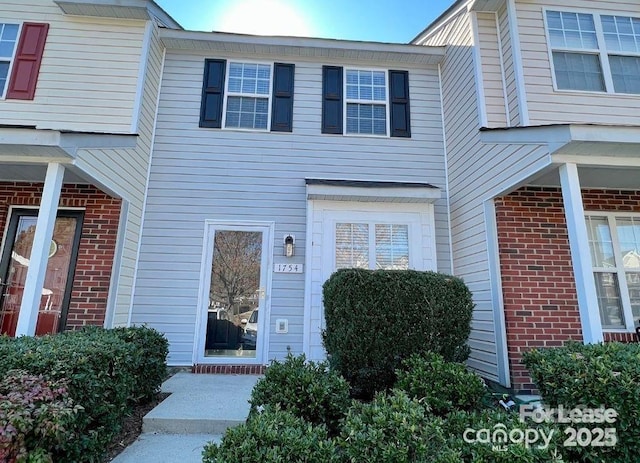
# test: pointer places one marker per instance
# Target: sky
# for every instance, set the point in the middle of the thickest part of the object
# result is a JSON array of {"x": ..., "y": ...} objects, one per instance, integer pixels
[{"x": 395, "y": 21}]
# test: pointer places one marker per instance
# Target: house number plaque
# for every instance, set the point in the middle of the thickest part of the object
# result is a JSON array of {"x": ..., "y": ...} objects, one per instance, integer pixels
[{"x": 288, "y": 268}]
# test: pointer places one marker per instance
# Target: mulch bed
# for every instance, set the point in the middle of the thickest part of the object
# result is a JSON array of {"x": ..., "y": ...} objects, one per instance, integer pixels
[{"x": 131, "y": 427}]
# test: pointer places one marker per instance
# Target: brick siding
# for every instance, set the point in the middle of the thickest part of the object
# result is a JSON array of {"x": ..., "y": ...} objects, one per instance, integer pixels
[
  {"x": 540, "y": 301},
  {"x": 97, "y": 245}
]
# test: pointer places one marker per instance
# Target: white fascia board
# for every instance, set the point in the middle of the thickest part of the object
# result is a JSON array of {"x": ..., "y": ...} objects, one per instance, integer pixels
[
  {"x": 301, "y": 47},
  {"x": 395, "y": 195}
]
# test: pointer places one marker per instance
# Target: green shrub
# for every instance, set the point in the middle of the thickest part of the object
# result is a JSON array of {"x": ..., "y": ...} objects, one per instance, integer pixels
[
  {"x": 306, "y": 389},
  {"x": 393, "y": 429},
  {"x": 273, "y": 436},
  {"x": 100, "y": 370},
  {"x": 149, "y": 364},
  {"x": 375, "y": 319},
  {"x": 36, "y": 418},
  {"x": 499, "y": 448},
  {"x": 439, "y": 385},
  {"x": 593, "y": 376}
]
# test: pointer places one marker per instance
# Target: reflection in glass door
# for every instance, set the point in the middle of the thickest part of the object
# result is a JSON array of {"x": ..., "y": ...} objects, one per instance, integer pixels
[
  {"x": 236, "y": 291},
  {"x": 14, "y": 264}
]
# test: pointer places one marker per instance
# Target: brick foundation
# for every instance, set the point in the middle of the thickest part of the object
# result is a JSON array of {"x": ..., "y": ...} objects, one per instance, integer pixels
[
  {"x": 540, "y": 302},
  {"x": 97, "y": 245},
  {"x": 230, "y": 369}
]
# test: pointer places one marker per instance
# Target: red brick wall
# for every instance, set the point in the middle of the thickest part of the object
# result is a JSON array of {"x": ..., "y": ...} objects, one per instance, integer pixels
[
  {"x": 540, "y": 302},
  {"x": 97, "y": 245}
]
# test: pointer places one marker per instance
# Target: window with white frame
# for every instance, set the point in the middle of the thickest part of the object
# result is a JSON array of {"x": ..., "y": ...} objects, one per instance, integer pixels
[
  {"x": 366, "y": 102},
  {"x": 614, "y": 241},
  {"x": 595, "y": 52},
  {"x": 372, "y": 246},
  {"x": 8, "y": 39},
  {"x": 248, "y": 96}
]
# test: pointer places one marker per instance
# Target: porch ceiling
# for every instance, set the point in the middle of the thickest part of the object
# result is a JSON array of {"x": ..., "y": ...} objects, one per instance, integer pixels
[
  {"x": 605, "y": 177},
  {"x": 16, "y": 172}
]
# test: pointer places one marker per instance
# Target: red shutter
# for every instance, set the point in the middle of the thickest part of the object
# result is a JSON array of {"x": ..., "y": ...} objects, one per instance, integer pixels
[{"x": 24, "y": 74}]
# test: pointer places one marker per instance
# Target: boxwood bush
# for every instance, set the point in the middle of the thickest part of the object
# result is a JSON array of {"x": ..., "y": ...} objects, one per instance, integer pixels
[
  {"x": 103, "y": 375},
  {"x": 273, "y": 436},
  {"x": 306, "y": 389},
  {"x": 393, "y": 429},
  {"x": 593, "y": 376},
  {"x": 439, "y": 385},
  {"x": 375, "y": 319}
]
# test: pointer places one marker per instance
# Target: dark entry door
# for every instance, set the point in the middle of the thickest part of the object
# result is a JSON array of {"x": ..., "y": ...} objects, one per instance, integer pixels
[{"x": 14, "y": 263}]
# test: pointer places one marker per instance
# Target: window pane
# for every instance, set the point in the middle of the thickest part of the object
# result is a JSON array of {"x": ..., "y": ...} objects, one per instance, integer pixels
[
  {"x": 622, "y": 33},
  {"x": 572, "y": 30},
  {"x": 625, "y": 71},
  {"x": 578, "y": 71},
  {"x": 352, "y": 245},
  {"x": 609, "y": 300},
  {"x": 4, "y": 70},
  {"x": 249, "y": 78},
  {"x": 8, "y": 36},
  {"x": 600, "y": 242},
  {"x": 633, "y": 283},
  {"x": 392, "y": 246},
  {"x": 247, "y": 112},
  {"x": 366, "y": 85},
  {"x": 366, "y": 119},
  {"x": 629, "y": 237}
]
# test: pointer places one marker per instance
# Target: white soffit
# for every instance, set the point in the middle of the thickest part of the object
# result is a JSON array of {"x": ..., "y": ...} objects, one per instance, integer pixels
[{"x": 301, "y": 47}]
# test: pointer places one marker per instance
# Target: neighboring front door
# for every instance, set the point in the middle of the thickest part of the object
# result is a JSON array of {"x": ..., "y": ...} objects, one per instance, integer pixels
[
  {"x": 14, "y": 263},
  {"x": 234, "y": 292}
]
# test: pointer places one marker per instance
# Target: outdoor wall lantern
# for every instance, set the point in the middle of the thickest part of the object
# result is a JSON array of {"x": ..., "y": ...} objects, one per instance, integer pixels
[{"x": 289, "y": 247}]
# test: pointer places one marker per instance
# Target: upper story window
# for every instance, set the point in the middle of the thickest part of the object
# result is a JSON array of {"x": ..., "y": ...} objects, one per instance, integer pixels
[
  {"x": 594, "y": 52},
  {"x": 366, "y": 102},
  {"x": 251, "y": 96},
  {"x": 371, "y": 102},
  {"x": 8, "y": 39},
  {"x": 248, "y": 95}
]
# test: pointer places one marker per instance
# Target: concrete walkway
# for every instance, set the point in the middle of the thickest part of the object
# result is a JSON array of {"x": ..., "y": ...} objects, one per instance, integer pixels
[{"x": 199, "y": 410}]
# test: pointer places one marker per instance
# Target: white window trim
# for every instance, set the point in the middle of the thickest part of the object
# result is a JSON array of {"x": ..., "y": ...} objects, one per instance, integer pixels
[
  {"x": 264, "y": 316},
  {"x": 374, "y": 102},
  {"x": 620, "y": 271},
  {"x": 602, "y": 51},
  {"x": 250, "y": 95},
  {"x": 13, "y": 57}
]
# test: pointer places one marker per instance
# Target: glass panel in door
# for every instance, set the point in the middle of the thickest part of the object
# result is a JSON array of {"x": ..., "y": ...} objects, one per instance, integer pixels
[
  {"x": 234, "y": 294},
  {"x": 14, "y": 273}
]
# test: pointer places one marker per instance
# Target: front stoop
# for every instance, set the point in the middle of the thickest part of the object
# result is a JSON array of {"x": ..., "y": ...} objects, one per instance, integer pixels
[{"x": 201, "y": 404}]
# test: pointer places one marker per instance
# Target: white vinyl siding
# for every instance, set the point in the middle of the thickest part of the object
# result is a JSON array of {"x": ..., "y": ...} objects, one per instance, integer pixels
[
  {"x": 83, "y": 85},
  {"x": 477, "y": 172},
  {"x": 547, "y": 106},
  {"x": 492, "y": 66},
  {"x": 200, "y": 175}
]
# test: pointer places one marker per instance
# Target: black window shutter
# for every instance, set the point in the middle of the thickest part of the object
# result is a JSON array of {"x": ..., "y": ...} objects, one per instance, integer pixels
[
  {"x": 332, "y": 99},
  {"x": 282, "y": 104},
  {"x": 399, "y": 104},
  {"x": 212, "y": 93}
]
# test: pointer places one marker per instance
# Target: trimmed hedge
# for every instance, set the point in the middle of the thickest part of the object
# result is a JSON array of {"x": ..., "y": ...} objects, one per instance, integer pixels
[
  {"x": 104, "y": 374},
  {"x": 593, "y": 376},
  {"x": 273, "y": 436},
  {"x": 306, "y": 389},
  {"x": 377, "y": 318},
  {"x": 441, "y": 386}
]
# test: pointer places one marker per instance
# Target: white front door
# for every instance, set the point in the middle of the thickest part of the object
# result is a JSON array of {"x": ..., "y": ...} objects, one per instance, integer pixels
[
  {"x": 350, "y": 234},
  {"x": 234, "y": 294}
]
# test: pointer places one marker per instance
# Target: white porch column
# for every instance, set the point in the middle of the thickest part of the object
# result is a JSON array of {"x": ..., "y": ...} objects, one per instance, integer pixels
[
  {"x": 40, "y": 250},
  {"x": 580, "y": 254}
]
